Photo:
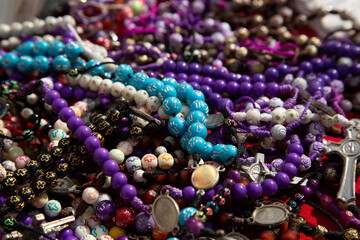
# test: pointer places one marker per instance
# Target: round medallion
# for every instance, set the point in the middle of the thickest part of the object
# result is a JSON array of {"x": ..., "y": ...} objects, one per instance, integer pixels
[
  {"x": 205, "y": 177},
  {"x": 236, "y": 236},
  {"x": 351, "y": 148},
  {"x": 165, "y": 212},
  {"x": 270, "y": 215}
]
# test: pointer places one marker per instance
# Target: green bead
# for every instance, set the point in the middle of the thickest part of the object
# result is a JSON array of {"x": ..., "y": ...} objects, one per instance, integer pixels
[
  {"x": 9, "y": 222},
  {"x": 136, "y": 6},
  {"x": 28, "y": 135}
]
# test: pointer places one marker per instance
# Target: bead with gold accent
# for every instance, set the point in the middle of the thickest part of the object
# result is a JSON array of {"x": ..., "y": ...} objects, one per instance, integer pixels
[{"x": 351, "y": 234}]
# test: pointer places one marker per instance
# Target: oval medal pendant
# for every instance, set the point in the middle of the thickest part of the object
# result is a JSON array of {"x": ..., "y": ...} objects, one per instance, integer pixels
[
  {"x": 205, "y": 177},
  {"x": 236, "y": 236},
  {"x": 214, "y": 120},
  {"x": 165, "y": 212},
  {"x": 269, "y": 215}
]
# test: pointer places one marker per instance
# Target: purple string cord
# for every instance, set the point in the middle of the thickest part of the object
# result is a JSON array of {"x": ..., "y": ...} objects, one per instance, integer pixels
[
  {"x": 139, "y": 205},
  {"x": 174, "y": 192}
]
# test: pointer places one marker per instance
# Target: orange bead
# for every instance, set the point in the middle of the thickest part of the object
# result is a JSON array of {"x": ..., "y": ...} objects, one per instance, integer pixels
[
  {"x": 290, "y": 235},
  {"x": 158, "y": 234},
  {"x": 267, "y": 235}
]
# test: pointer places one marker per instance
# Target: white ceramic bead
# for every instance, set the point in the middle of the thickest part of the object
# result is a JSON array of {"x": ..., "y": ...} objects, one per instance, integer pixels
[
  {"x": 345, "y": 61},
  {"x": 67, "y": 19},
  {"x": 48, "y": 81},
  {"x": 40, "y": 200},
  {"x": 6, "y": 131},
  {"x": 48, "y": 38},
  {"x": 133, "y": 163},
  {"x": 129, "y": 93},
  {"x": 138, "y": 176},
  {"x": 9, "y": 165},
  {"x": 107, "y": 182},
  {"x": 250, "y": 105},
  {"x": 28, "y": 27},
  {"x": 278, "y": 132},
  {"x": 109, "y": 67},
  {"x": 153, "y": 103},
  {"x": 149, "y": 162},
  {"x": 14, "y": 42},
  {"x": 105, "y": 237},
  {"x": 15, "y": 152},
  {"x": 125, "y": 147},
  {"x": 291, "y": 115},
  {"x": 21, "y": 161},
  {"x": 80, "y": 221},
  {"x": 88, "y": 237},
  {"x": 94, "y": 83},
  {"x": 60, "y": 125},
  {"x": 278, "y": 115},
  {"x": 163, "y": 115},
  {"x": 327, "y": 120},
  {"x": 16, "y": 28},
  {"x": 74, "y": 81},
  {"x": 240, "y": 116},
  {"x": 103, "y": 197},
  {"x": 266, "y": 117},
  {"x": 88, "y": 212},
  {"x": 84, "y": 81},
  {"x": 315, "y": 117},
  {"x": 8, "y": 143},
  {"x": 52, "y": 208},
  {"x": 341, "y": 120},
  {"x": 2, "y": 172},
  {"x": 267, "y": 143},
  {"x": 47, "y": 107},
  {"x": 105, "y": 86},
  {"x": 84, "y": 109},
  {"x": 50, "y": 23},
  {"x": 185, "y": 110},
  {"x": 52, "y": 144},
  {"x": 253, "y": 116},
  {"x": 133, "y": 142},
  {"x": 159, "y": 150},
  {"x": 141, "y": 97},
  {"x": 92, "y": 221},
  {"x": 308, "y": 114},
  {"x": 299, "y": 83},
  {"x": 99, "y": 230},
  {"x": 117, "y": 89},
  {"x": 56, "y": 134},
  {"x": 90, "y": 195},
  {"x": 32, "y": 99},
  {"x": 276, "y": 102},
  {"x": 5, "y": 30},
  {"x": 166, "y": 161},
  {"x": 117, "y": 155},
  {"x": 2, "y": 124},
  {"x": 39, "y": 26},
  {"x": 81, "y": 231}
]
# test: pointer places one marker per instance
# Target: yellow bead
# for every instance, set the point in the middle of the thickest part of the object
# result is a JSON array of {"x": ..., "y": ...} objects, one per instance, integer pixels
[
  {"x": 76, "y": 110},
  {"x": 115, "y": 232},
  {"x": 319, "y": 232},
  {"x": 351, "y": 234}
]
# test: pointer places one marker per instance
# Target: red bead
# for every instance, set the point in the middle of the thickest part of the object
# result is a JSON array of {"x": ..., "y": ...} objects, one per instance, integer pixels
[
  {"x": 158, "y": 234},
  {"x": 125, "y": 217},
  {"x": 104, "y": 42},
  {"x": 290, "y": 235},
  {"x": 149, "y": 197},
  {"x": 267, "y": 235}
]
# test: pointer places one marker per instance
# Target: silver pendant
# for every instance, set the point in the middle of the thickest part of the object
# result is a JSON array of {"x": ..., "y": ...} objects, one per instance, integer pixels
[
  {"x": 269, "y": 215},
  {"x": 349, "y": 150},
  {"x": 236, "y": 236},
  {"x": 214, "y": 120},
  {"x": 64, "y": 186},
  {"x": 258, "y": 171},
  {"x": 165, "y": 212}
]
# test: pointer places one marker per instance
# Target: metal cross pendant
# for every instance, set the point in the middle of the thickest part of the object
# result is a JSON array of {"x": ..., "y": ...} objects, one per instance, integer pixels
[
  {"x": 258, "y": 170},
  {"x": 349, "y": 150}
]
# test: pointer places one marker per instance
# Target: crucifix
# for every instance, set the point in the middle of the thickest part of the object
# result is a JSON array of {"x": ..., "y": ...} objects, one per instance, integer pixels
[
  {"x": 349, "y": 150},
  {"x": 258, "y": 171}
]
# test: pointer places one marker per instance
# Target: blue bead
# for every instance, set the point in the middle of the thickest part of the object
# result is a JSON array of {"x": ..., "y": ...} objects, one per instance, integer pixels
[
  {"x": 184, "y": 141},
  {"x": 196, "y": 116},
  {"x": 61, "y": 63},
  {"x": 193, "y": 96},
  {"x": 124, "y": 73},
  {"x": 185, "y": 214},
  {"x": 56, "y": 48},
  {"x": 107, "y": 74},
  {"x": 96, "y": 70},
  {"x": 40, "y": 48},
  {"x": 227, "y": 152},
  {"x": 201, "y": 106},
  {"x": 217, "y": 151},
  {"x": 79, "y": 65},
  {"x": 196, "y": 144},
  {"x": 140, "y": 80},
  {"x": 171, "y": 106},
  {"x": 24, "y": 65},
  {"x": 153, "y": 86},
  {"x": 73, "y": 50},
  {"x": 25, "y": 48},
  {"x": 9, "y": 61},
  {"x": 197, "y": 129},
  {"x": 182, "y": 90},
  {"x": 170, "y": 81},
  {"x": 41, "y": 64},
  {"x": 166, "y": 91},
  {"x": 206, "y": 154},
  {"x": 177, "y": 126}
]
